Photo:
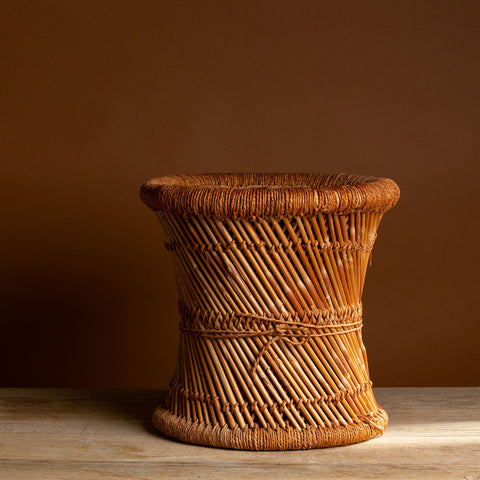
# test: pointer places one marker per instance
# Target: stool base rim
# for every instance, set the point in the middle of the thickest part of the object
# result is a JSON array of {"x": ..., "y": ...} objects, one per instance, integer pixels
[{"x": 259, "y": 438}]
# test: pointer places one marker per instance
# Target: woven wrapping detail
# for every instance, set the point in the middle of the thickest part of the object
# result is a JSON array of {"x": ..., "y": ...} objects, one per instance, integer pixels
[
  {"x": 208, "y": 323},
  {"x": 270, "y": 272},
  {"x": 293, "y": 329},
  {"x": 243, "y": 245},
  {"x": 259, "y": 195},
  {"x": 269, "y": 439},
  {"x": 327, "y": 400}
]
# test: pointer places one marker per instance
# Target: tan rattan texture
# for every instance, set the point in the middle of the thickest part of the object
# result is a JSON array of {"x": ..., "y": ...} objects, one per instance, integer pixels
[
  {"x": 263, "y": 195},
  {"x": 270, "y": 271}
]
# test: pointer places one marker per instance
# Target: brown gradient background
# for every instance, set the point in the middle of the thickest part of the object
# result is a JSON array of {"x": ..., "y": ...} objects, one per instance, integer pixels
[{"x": 98, "y": 96}]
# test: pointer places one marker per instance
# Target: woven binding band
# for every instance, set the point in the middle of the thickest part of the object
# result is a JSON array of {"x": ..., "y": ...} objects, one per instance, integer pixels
[
  {"x": 292, "y": 329},
  {"x": 254, "y": 195}
]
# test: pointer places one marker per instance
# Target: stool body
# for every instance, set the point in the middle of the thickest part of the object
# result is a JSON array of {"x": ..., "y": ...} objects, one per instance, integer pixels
[{"x": 270, "y": 270}]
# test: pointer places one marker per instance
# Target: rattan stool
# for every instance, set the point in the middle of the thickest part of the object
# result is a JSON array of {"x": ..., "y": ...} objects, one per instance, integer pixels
[{"x": 270, "y": 271}]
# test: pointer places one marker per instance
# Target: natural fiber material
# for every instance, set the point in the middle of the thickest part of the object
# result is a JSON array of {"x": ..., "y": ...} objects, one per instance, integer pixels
[
  {"x": 288, "y": 438},
  {"x": 263, "y": 195},
  {"x": 270, "y": 271}
]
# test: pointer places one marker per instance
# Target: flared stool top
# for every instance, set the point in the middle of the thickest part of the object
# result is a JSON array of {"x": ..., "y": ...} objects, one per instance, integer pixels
[{"x": 263, "y": 195}]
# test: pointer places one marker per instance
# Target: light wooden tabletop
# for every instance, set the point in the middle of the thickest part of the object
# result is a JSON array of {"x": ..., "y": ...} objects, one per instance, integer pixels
[{"x": 103, "y": 434}]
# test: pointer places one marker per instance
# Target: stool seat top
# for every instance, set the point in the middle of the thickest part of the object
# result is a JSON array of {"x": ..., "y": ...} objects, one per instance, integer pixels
[{"x": 264, "y": 195}]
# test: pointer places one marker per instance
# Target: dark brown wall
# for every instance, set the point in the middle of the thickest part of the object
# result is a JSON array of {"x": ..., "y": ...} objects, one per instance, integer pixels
[{"x": 99, "y": 96}]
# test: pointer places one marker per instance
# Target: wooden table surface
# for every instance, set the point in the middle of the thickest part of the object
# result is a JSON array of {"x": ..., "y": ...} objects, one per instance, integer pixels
[{"x": 103, "y": 434}]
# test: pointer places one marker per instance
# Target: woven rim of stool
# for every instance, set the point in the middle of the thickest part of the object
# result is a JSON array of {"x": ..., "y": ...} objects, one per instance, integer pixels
[
  {"x": 268, "y": 439},
  {"x": 254, "y": 195}
]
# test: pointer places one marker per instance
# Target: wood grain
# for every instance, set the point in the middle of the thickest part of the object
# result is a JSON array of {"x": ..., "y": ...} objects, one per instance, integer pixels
[{"x": 102, "y": 434}]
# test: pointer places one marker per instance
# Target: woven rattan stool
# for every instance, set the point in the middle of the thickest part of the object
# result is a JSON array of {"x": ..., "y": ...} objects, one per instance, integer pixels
[{"x": 270, "y": 271}]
